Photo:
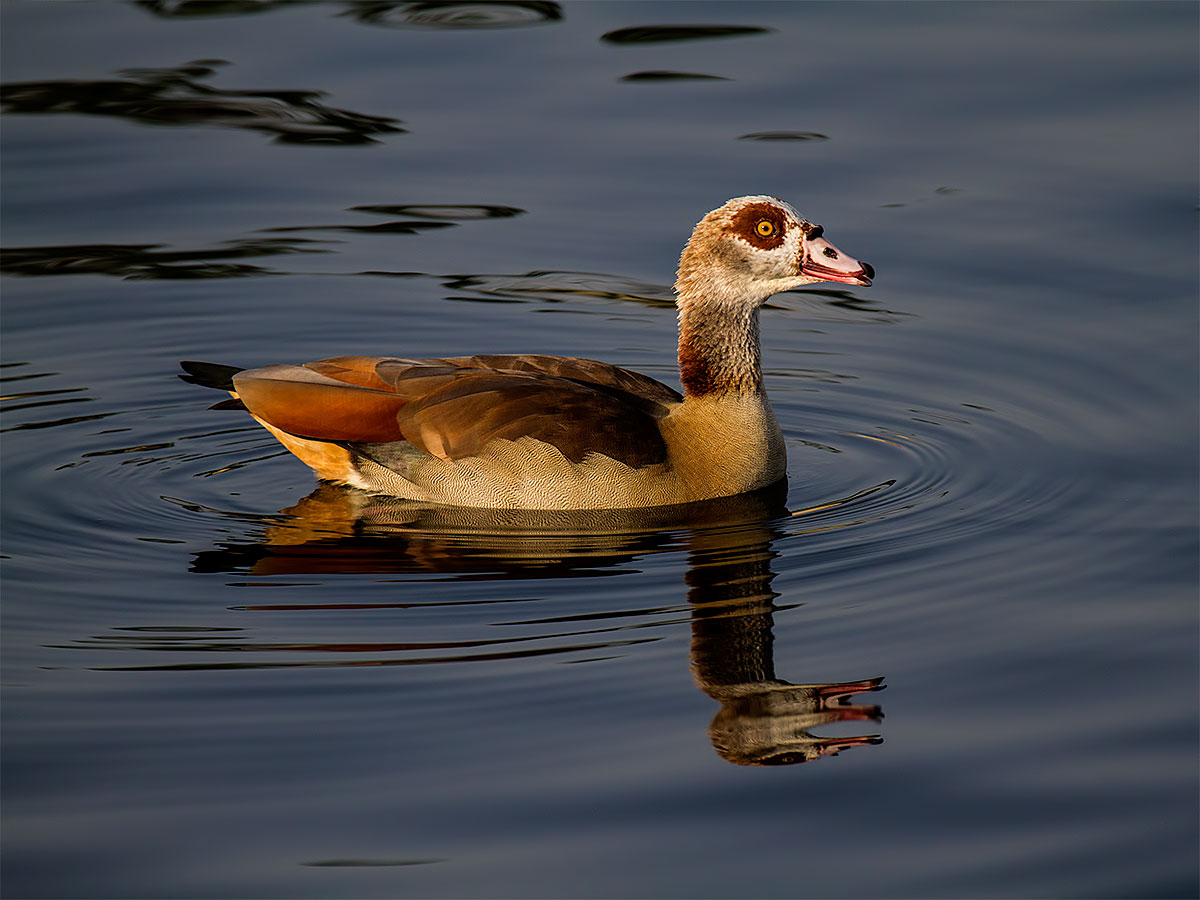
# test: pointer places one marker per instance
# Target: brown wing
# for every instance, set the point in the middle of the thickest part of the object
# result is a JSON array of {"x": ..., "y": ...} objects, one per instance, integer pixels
[
  {"x": 585, "y": 371},
  {"x": 311, "y": 404},
  {"x": 452, "y": 408}
]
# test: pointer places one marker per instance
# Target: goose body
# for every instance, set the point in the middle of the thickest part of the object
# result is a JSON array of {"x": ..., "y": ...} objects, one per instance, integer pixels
[{"x": 551, "y": 432}]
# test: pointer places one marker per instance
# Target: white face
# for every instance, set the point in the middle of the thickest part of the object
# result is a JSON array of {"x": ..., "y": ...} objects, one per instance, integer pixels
[{"x": 759, "y": 246}]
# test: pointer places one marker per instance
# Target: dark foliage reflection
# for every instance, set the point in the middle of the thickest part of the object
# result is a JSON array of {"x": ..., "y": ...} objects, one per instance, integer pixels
[
  {"x": 454, "y": 15},
  {"x": 136, "y": 261},
  {"x": 448, "y": 14},
  {"x": 666, "y": 75},
  {"x": 798, "y": 136},
  {"x": 658, "y": 34},
  {"x": 187, "y": 9},
  {"x": 428, "y": 216},
  {"x": 176, "y": 96},
  {"x": 455, "y": 212}
]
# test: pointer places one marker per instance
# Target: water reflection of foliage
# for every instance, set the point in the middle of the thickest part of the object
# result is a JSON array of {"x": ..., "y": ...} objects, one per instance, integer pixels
[
  {"x": 456, "y": 211},
  {"x": 432, "y": 216},
  {"x": 658, "y": 34},
  {"x": 196, "y": 8},
  {"x": 798, "y": 136},
  {"x": 826, "y": 303},
  {"x": 455, "y": 15},
  {"x": 436, "y": 14},
  {"x": 151, "y": 261},
  {"x": 668, "y": 75},
  {"x": 144, "y": 261},
  {"x": 137, "y": 261},
  {"x": 175, "y": 96}
]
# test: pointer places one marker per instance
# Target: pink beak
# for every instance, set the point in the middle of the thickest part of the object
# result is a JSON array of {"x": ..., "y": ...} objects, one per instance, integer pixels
[{"x": 825, "y": 261}]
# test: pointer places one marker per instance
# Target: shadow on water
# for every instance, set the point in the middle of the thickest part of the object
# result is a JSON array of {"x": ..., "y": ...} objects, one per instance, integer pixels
[
  {"x": 176, "y": 96},
  {"x": 763, "y": 720}
]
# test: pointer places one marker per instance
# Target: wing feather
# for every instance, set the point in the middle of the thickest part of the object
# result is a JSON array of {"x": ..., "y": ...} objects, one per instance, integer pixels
[
  {"x": 454, "y": 407},
  {"x": 307, "y": 404}
]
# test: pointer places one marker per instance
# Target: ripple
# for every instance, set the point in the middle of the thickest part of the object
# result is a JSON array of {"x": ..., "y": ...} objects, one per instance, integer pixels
[
  {"x": 371, "y": 863},
  {"x": 372, "y": 662},
  {"x": 873, "y": 476},
  {"x": 44, "y": 399},
  {"x": 558, "y": 287},
  {"x": 409, "y": 227},
  {"x": 430, "y": 217},
  {"x": 158, "y": 261},
  {"x": 23, "y": 376},
  {"x": 455, "y": 212},
  {"x": 668, "y": 75},
  {"x": 951, "y": 477},
  {"x": 798, "y": 136},
  {"x": 143, "y": 261},
  {"x": 175, "y": 96},
  {"x": 658, "y": 34},
  {"x": 336, "y": 529},
  {"x": 835, "y": 305},
  {"x": 336, "y": 532},
  {"x": 187, "y": 9},
  {"x": 40, "y": 400},
  {"x": 480, "y": 14},
  {"x": 552, "y": 286}
]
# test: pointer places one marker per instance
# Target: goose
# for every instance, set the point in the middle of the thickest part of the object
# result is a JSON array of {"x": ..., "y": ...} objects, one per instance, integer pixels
[{"x": 551, "y": 432}]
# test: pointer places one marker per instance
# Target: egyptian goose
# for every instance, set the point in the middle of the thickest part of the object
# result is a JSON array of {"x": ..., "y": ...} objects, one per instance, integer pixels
[{"x": 553, "y": 432}]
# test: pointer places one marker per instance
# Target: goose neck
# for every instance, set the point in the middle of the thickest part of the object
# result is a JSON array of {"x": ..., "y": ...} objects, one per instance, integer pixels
[{"x": 719, "y": 351}]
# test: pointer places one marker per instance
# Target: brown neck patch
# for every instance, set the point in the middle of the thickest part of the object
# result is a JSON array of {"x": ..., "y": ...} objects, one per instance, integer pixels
[
  {"x": 698, "y": 375},
  {"x": 710, "y": 363}
]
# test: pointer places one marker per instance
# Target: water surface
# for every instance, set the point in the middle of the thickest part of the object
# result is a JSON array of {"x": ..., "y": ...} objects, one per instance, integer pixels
[{"x": 955, "y": 656}]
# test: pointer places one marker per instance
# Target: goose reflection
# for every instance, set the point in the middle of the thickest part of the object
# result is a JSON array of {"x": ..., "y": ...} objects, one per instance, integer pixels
[{"x": 762, "y": 720}]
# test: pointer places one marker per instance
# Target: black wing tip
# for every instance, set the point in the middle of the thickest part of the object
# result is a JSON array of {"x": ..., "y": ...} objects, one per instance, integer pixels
[{"x": 212, "y": 375}]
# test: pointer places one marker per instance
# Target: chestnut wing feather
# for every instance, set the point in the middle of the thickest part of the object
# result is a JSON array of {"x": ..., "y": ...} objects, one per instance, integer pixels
[
  {"x": 585, "y": 371},
  {"x": 476, "y": 408},
  {"x": 307, "y": 404},
  {"x": 452, "y": 408}
]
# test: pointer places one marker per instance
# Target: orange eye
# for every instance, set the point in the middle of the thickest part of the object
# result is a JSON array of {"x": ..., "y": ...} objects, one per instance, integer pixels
[{"x": 765, "y": 228}]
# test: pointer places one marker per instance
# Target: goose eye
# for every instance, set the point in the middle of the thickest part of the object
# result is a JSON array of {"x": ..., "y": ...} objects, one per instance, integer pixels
[{"x": 765, "y": 228}]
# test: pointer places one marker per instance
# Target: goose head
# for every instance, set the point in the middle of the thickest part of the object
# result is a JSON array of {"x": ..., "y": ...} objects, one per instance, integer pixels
[{"x": 754, "y": 247}]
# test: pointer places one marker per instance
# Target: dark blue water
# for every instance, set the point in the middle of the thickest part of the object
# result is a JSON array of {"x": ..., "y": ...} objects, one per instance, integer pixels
[{"x": 957, "y": 657}]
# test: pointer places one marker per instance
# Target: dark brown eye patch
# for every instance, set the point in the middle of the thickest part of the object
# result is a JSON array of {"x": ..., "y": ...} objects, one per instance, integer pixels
[{"x": 761, "y": 225}]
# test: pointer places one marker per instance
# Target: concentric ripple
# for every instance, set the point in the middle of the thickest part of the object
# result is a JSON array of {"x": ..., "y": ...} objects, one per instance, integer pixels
[{"x": 872, "y": 477}]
